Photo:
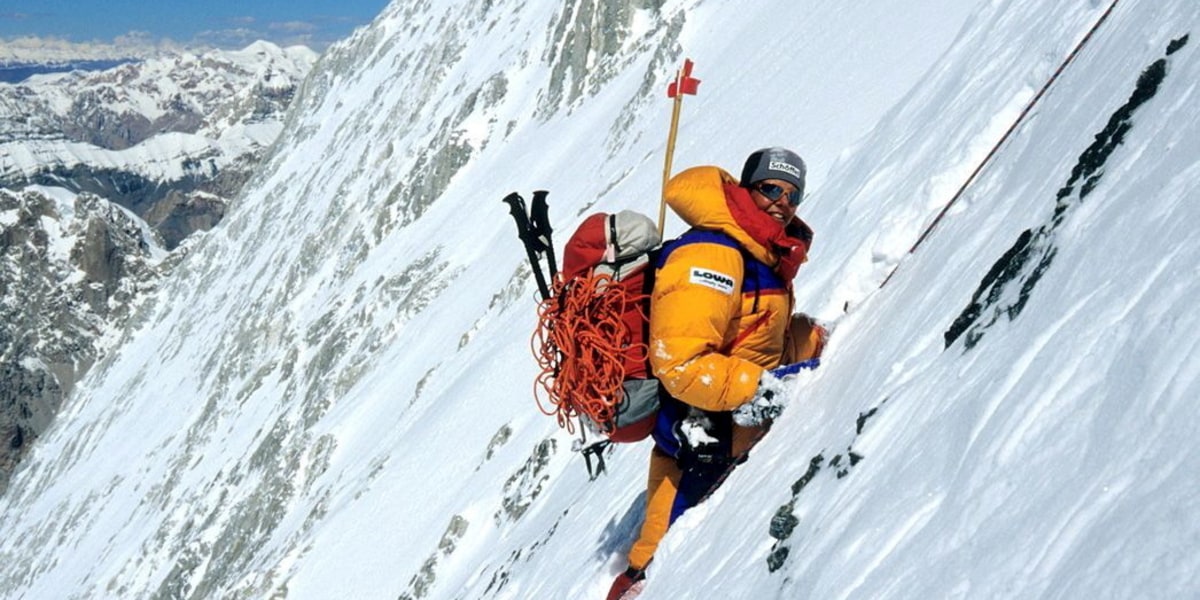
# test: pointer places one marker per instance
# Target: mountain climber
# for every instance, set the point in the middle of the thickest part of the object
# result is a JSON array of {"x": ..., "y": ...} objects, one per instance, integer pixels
[{"x": 720, "y": 318}]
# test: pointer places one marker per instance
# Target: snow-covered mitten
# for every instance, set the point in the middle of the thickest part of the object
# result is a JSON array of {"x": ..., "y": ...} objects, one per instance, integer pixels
[
  {"x": 766, "y": 405},
  {"x": 696, "y": 432}
]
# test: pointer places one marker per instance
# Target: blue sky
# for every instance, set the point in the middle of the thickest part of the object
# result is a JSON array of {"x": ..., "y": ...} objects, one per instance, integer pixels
[{"x": 224, "y": 23}]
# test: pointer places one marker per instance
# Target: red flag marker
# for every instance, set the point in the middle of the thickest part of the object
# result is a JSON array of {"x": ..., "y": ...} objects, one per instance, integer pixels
[{"x": 685, "y": 82}]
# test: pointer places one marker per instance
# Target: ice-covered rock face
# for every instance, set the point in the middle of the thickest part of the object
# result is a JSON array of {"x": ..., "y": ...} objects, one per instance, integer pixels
[
  {"x": 172, "y": 139},
  {"x": 72, "y": 268}
]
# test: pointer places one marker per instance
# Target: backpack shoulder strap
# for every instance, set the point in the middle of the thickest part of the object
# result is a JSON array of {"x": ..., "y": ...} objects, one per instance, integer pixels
[{"x": 696, "y": 236}]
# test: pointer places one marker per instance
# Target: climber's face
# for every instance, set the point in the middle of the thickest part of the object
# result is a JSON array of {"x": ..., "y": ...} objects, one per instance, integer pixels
[{"x": 777, "y": 198}]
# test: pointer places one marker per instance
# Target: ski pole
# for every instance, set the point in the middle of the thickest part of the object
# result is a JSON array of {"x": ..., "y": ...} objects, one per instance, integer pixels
[
  {"x": 539, "y": 218},
  {"x": 516, "y": 206},
  {"x": 683, "y": 83}
]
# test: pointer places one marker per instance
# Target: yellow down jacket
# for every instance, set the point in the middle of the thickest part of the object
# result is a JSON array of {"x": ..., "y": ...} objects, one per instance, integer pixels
[{"x": 722, "y": 300}]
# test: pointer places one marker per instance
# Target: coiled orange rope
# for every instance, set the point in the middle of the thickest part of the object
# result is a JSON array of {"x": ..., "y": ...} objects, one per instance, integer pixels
[{"x": 581, "y": 344}]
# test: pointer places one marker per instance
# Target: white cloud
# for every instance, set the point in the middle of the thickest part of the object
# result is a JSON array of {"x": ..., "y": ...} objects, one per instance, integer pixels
[
  {"x": 135, "y": 44},
  {"x": 232, "y": 37},
  {"x": 293, "y": 27}
]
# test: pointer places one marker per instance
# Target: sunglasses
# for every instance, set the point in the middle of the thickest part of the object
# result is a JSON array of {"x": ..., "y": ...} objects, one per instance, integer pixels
[{"x": 773, "y": 192}]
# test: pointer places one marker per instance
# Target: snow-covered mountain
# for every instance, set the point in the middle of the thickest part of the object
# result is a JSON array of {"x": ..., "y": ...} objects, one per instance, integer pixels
[
  {"x": 331, "y": 394},
  {"x": 170, "y": 138}
]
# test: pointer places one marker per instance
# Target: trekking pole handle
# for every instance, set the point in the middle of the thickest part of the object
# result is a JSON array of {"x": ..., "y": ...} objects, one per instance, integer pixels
[
  {"x": 539, "y": 215},
  {"x": 516, "y": 207}
]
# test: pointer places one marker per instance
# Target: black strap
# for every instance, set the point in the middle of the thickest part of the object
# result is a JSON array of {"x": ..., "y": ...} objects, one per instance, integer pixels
[{"x": 612, "y": 236}]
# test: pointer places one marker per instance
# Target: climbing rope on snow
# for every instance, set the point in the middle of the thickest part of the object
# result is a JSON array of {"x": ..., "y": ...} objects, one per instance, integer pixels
[{"x": 1020, "y": 119}]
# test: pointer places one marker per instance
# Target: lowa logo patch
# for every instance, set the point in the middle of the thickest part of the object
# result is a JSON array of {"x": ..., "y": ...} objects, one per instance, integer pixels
[{"x": 717, "y": 281}]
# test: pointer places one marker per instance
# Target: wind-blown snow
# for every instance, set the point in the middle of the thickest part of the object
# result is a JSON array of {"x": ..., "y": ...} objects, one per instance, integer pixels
[{"x": 332, "y": 395}]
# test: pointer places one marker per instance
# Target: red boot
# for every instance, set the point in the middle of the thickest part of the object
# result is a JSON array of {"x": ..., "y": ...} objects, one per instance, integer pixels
[{"x": 627, "y": 585}]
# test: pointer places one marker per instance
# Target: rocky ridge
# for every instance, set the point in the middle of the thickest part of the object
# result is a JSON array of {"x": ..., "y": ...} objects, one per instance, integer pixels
[{"x": 73, "y": 267}]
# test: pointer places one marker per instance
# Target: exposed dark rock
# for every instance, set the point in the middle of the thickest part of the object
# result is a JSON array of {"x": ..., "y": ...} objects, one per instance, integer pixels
[
  {"x": 68, "y": 272},
  {"x": 1024, "y": 264}
]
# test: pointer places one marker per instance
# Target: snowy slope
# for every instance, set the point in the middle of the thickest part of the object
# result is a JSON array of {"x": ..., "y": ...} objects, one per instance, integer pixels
[{"x": 331, "y": 396}]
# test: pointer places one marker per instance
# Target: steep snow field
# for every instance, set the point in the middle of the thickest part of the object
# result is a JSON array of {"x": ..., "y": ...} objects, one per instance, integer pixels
[{"x": 332, "y": 395}]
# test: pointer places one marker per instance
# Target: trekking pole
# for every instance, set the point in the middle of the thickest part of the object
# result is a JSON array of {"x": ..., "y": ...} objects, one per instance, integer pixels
[
  {"x": 683, "y": 83},
  {"x": 516, "y": 206},
  {"x": 539, "y": 218}
]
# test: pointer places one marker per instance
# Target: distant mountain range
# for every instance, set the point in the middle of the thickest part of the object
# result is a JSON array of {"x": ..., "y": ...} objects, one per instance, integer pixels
[
  {"x": 170, "y": 138},
  {"x": 337, "y": 392},
  {"x": 18, "y": 72}
]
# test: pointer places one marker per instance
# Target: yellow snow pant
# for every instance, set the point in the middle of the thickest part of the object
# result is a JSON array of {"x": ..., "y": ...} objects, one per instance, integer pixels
[
  {"x": 661, "y": 485},
  {"x": 660, "y": 495}
]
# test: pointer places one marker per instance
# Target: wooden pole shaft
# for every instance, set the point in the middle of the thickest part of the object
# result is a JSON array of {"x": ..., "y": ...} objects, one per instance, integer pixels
[{"x": 662, "y": 205}]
